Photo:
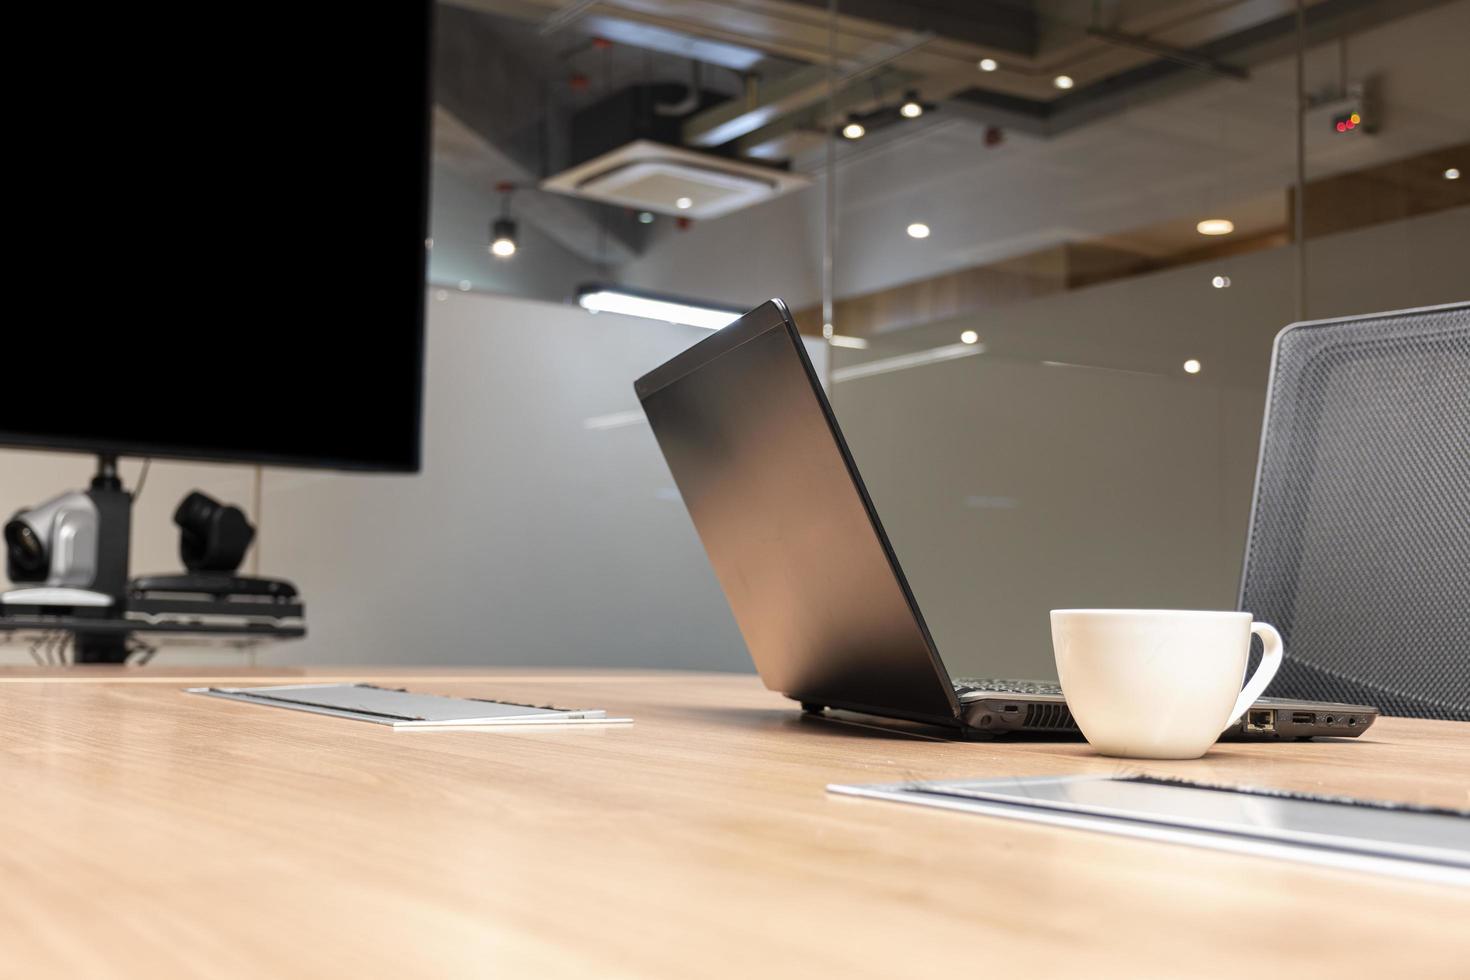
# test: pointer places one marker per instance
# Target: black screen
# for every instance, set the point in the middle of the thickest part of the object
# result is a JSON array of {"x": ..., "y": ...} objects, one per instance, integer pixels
[{"x": 222, "y": 228}]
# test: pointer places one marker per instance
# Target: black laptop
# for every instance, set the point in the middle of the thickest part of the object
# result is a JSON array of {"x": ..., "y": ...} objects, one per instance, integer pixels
[{"x": 797, "y": 546}]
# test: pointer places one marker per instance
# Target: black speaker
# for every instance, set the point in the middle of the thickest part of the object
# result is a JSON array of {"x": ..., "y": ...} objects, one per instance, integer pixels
[{"x": 1359, "y": 549}]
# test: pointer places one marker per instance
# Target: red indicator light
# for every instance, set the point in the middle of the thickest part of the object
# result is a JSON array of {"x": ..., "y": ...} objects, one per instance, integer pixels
[{"x": 1342, "y": 127}]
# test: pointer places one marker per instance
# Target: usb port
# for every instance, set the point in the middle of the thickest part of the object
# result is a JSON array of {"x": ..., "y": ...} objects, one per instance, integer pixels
[
  {"x": 1260, "y": 720},
  {"x": 1303, "y": 718}
]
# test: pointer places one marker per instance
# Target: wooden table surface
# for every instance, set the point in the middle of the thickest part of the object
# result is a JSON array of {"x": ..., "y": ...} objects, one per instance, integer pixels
[{"x": 146, "y": 832}]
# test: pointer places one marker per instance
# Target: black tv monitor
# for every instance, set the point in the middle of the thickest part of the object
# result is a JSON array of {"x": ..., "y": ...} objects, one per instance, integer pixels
[{"x": 229, "y": 235}]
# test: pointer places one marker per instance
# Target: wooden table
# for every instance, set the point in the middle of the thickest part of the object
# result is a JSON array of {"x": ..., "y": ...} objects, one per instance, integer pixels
[{"x": 146, "y": 832}]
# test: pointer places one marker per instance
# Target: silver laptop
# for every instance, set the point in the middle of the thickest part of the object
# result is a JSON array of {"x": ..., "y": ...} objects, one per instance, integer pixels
[{"x": 797, "y": 546}]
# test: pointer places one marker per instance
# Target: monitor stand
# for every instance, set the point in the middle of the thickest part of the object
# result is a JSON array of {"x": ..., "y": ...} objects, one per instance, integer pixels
[
  {"x": 114, "y": 531},
  {"x": 100, "y": 628}
]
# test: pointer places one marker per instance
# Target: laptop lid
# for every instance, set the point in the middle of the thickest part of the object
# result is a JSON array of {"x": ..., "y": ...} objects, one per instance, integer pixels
[{"x": 795, "y": 542}]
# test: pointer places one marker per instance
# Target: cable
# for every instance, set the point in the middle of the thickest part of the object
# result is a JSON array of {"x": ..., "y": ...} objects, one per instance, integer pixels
[{"x": 142, "y": 478}]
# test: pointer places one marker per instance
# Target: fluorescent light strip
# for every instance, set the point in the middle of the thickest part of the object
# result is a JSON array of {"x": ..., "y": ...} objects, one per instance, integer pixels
[
  {"x": 1101, "y": 367},
  {"x": 669, "y": 311},
  {"x": 851, "y": 343},
  {"x": 614, "y": 420},
  {"x": 903, "y": 362}
]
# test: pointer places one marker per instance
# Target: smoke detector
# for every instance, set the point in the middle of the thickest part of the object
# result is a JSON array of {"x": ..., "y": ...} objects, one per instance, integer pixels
[{"x": 648, "y": 176}]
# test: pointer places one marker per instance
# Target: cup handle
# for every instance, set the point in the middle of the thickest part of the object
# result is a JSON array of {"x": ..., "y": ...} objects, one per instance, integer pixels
[{"x": 1265, "y": 670}]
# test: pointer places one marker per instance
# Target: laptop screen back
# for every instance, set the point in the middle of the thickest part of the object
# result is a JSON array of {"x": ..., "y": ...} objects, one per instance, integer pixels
[{"x": 782, "y": 513}]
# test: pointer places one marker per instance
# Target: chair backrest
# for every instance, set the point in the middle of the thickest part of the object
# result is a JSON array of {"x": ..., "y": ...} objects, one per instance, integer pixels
[{"x": 1359, "y": 548}]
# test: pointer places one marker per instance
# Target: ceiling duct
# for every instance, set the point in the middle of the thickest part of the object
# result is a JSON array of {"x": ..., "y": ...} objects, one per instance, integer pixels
[
  {"x": 649, "y": 176},
  {"x": 626, "y": 151}
]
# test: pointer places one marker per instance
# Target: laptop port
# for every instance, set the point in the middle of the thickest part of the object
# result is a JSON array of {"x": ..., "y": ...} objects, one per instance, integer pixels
[
  {"x": 1303, "y": 718},
  {"x": 1330, "y": 720},
  {"x": 1353, "y": 721},
  {"x": 1260, "y": 720}
]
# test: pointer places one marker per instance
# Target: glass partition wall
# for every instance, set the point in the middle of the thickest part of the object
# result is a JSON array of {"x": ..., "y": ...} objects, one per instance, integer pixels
[
  {"x": 1056, "y": 395},
  {"x": 1047, "y": 243}
]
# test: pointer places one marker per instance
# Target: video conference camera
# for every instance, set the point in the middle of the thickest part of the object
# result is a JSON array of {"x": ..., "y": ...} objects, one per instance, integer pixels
[
  {"x": 55, "y": 543},
  {"x": 213, "y": 537}
]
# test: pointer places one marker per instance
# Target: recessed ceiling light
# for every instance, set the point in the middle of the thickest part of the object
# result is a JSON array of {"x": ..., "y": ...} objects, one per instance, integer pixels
[
  {"x": 645, "y": 217},
  {"x": 969, "y": 337},
  {"x": 854, "y": 131},
  {"x": 911, "y": 109},
  {"x": 1453, "y": 173},
  {"x": 1220, "y": 282},
  {"x": 684, "y": 203},
  {"x": 1192, "y": 366},
  {"x": 1063, "y": 81},
  {"x": 918, "y": 230},
  {"x": 1215, "y": 226},
  {"x": 987, "y": 64}
]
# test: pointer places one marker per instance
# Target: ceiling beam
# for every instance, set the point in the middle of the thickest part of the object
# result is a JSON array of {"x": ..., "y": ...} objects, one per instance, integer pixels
[
  {"x": 800, "y": 90},
  {"x": 773, "y": 142}
]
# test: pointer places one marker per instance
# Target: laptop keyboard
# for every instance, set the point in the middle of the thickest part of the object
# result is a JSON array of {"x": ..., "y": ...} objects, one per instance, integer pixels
[{"x": 966, "y": 685}]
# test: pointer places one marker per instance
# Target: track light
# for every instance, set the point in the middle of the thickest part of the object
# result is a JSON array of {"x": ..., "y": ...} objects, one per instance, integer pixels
[
  {"x": 503, "y": 229},
  {"x": 912, "y": 108},
  {"x": 854, "y": 130},
  {"x": 503, "y": 238}
]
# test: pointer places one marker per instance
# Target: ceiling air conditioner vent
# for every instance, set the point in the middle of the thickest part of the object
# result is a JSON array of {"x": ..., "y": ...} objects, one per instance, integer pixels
[{"x": 648, "y": 176}]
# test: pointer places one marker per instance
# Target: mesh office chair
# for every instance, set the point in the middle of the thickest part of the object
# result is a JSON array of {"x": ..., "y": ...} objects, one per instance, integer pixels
[{"x": 1359, "y": 548}]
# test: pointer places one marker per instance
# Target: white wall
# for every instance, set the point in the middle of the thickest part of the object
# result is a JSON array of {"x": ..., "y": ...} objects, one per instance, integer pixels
[{"x": 529, "y": 538}]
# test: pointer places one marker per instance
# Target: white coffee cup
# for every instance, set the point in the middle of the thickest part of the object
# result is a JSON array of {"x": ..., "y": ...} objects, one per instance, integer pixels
[{"x": 1158, "y": 683}]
